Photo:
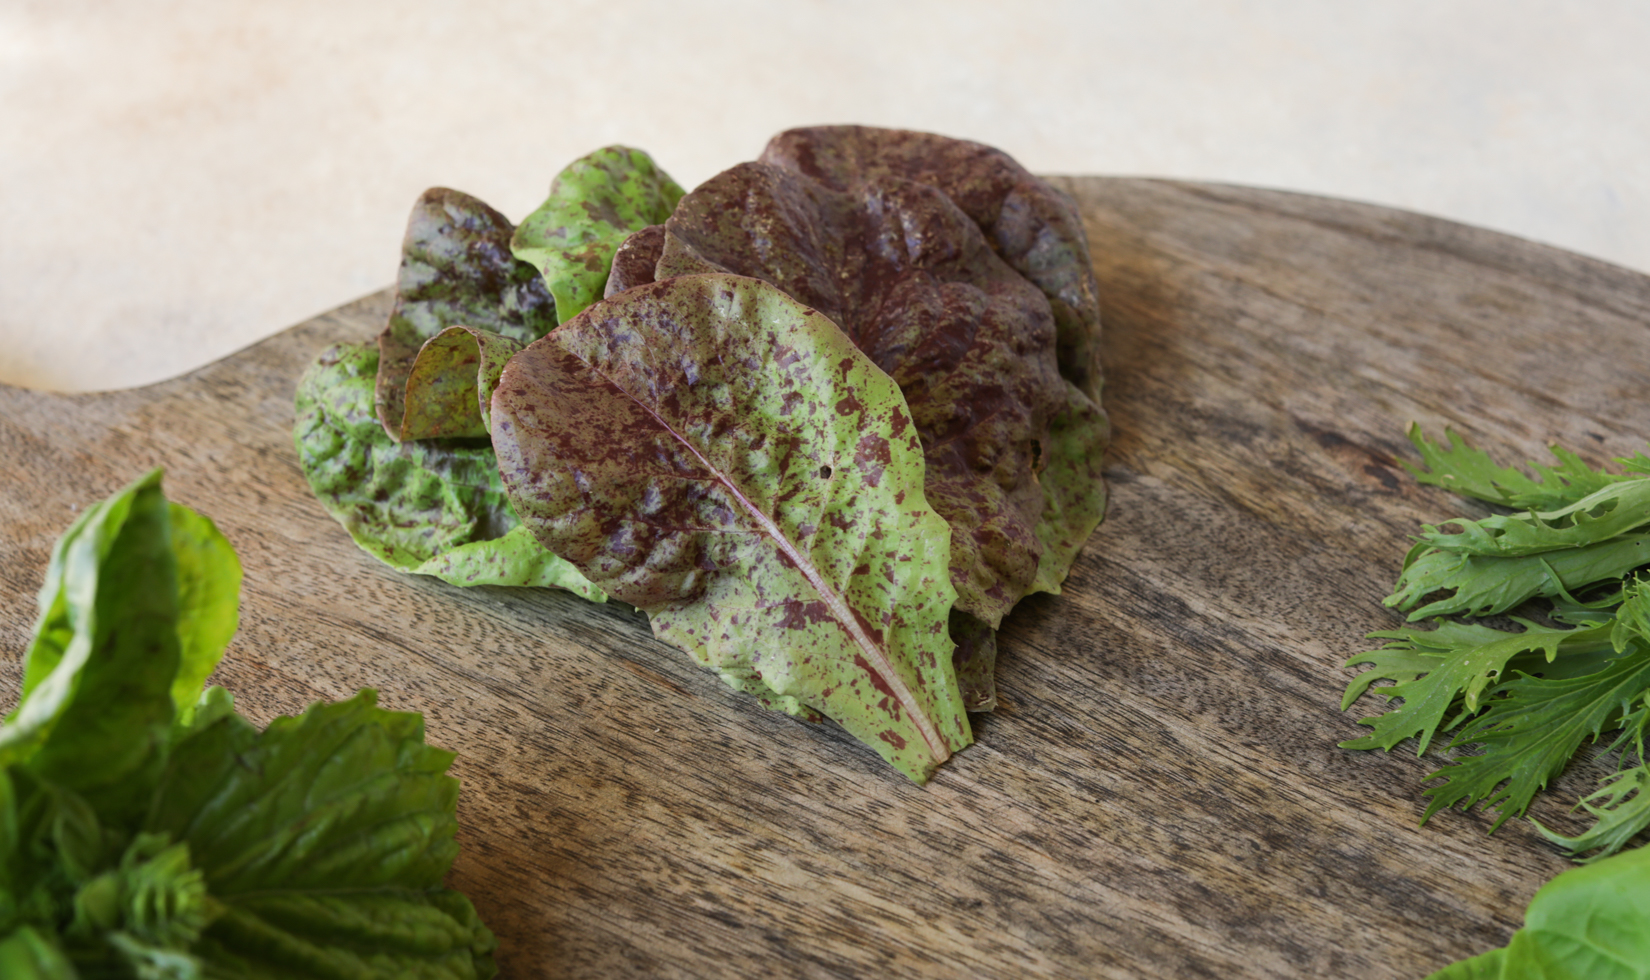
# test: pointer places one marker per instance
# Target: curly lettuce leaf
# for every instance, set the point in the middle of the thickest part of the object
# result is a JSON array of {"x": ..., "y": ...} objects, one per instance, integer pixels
[
  {"x": 1604, "y": 514},
  {"x": 1532, "y": 730},
  {"x": 456, "y": 269},
  {"x": 1589, "y": 923},
  {"x": 1471, "y": 473},
  {"x": 595, "y": 203},
  {"x": 424, "y": 507},
  {"x": 725, "y": 458}
]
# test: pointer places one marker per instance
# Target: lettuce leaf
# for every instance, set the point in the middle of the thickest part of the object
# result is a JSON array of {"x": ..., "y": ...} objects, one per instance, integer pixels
[
  {"x": 712, "y": 451},
  {"x": 456, "y": 270},
  {"x": 904, "y": 240},
  {"x": 595, "y": 203},
  {"x": 426, "y": 507}
]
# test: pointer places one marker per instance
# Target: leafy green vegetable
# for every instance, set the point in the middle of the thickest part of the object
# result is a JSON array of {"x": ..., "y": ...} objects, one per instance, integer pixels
[
  {"x": 1471, "y": 473},
  {"x": 426, "y": 507},
  {"x": 951, "y": 267},
  {"x": 1529, "y": 699},
  {"x": 895, "y": 236},
  {"x": 148, "y": 831},
  {"x": 456, "y": 270},
  {"x": 712, "y": 451},
  {"x": 595, "y": 203},
  {"x": 1589, "y": 923}
]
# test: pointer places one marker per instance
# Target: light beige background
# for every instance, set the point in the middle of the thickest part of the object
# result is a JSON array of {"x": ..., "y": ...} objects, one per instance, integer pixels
[{"x": 180, "y": 179}]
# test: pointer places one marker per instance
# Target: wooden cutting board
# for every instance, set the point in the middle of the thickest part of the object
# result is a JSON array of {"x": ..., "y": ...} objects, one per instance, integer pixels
[{"x": 1159, "y": 794}]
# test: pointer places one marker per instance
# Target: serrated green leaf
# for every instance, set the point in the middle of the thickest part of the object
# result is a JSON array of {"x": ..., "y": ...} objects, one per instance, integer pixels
[
  {"x": 323, "y": 840},
  {"x": 1620, "y": 810},
  {"x": 595, "y": 203},
  {"x": 715, "y": 453},
  {"x": 422, "y": 507},
  {"x": 1532, "y": 731},
  {"x": 456, "y": 269},
  {"x": 1483, "y": 585},
  {"x": 1471, "y": 473},
  {"x": 1455, "y": 661},
  {"x": 1607, "y": 513}
]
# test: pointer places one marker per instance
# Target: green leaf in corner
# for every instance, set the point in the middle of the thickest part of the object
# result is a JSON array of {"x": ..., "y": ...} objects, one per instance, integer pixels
[
  {"x": 97, "y": 707},
  {"x": 26, "y": 953},
  {"x": 595, "y": 203},
  {"x": 1589, "y": 923},
  {"x": 712, "y": 451},
  {"x": 323, "y": 842},
  {"x": 424, "y": 507}
]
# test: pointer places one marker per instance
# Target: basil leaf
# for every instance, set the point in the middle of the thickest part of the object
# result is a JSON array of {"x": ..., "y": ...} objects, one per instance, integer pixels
[
  {"x": 595, "y": 203},
  {"x": 1589, "y": 923},
  {"x": 710, "y": 450},
  {"x": 323, "y": 841},
  {"x": 96, "y": 704}
]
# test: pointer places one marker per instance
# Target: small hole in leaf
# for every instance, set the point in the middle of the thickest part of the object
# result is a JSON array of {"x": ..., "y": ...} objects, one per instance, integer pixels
[{"x": 824, "y": 472}]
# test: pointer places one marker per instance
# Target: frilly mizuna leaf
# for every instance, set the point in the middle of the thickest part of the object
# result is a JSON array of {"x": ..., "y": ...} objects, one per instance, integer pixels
[
  {"x": 594, "y": 204},
  {"x": 710, "y": 450},
  {"x": 915, "y": 283},
  {"x": 426, "y": 507},
  {"x": 450, "y": 387},
  {"x": 456, "y": 269}
]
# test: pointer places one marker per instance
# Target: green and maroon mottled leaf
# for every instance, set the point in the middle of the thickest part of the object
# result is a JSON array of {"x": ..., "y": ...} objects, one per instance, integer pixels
[
  {"x": 594, "y": 205},
  {"x": 916, "y": 284},
  {"x": 1036, "y": 229},
  {"x": 456, "y": 269},
  {"x": 450, "y": 388},
  {"x": 715, "y": 453},
  {"x": 976, "y": 660},
  {"x": 430, "y": 507}
]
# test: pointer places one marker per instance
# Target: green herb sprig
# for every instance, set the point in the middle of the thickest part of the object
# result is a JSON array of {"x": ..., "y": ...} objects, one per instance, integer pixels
[{"x": 1528, "y": 699}]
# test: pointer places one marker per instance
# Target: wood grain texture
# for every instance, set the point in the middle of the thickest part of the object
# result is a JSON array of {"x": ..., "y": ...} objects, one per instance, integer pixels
[{"x": 1158, "y": 796}]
